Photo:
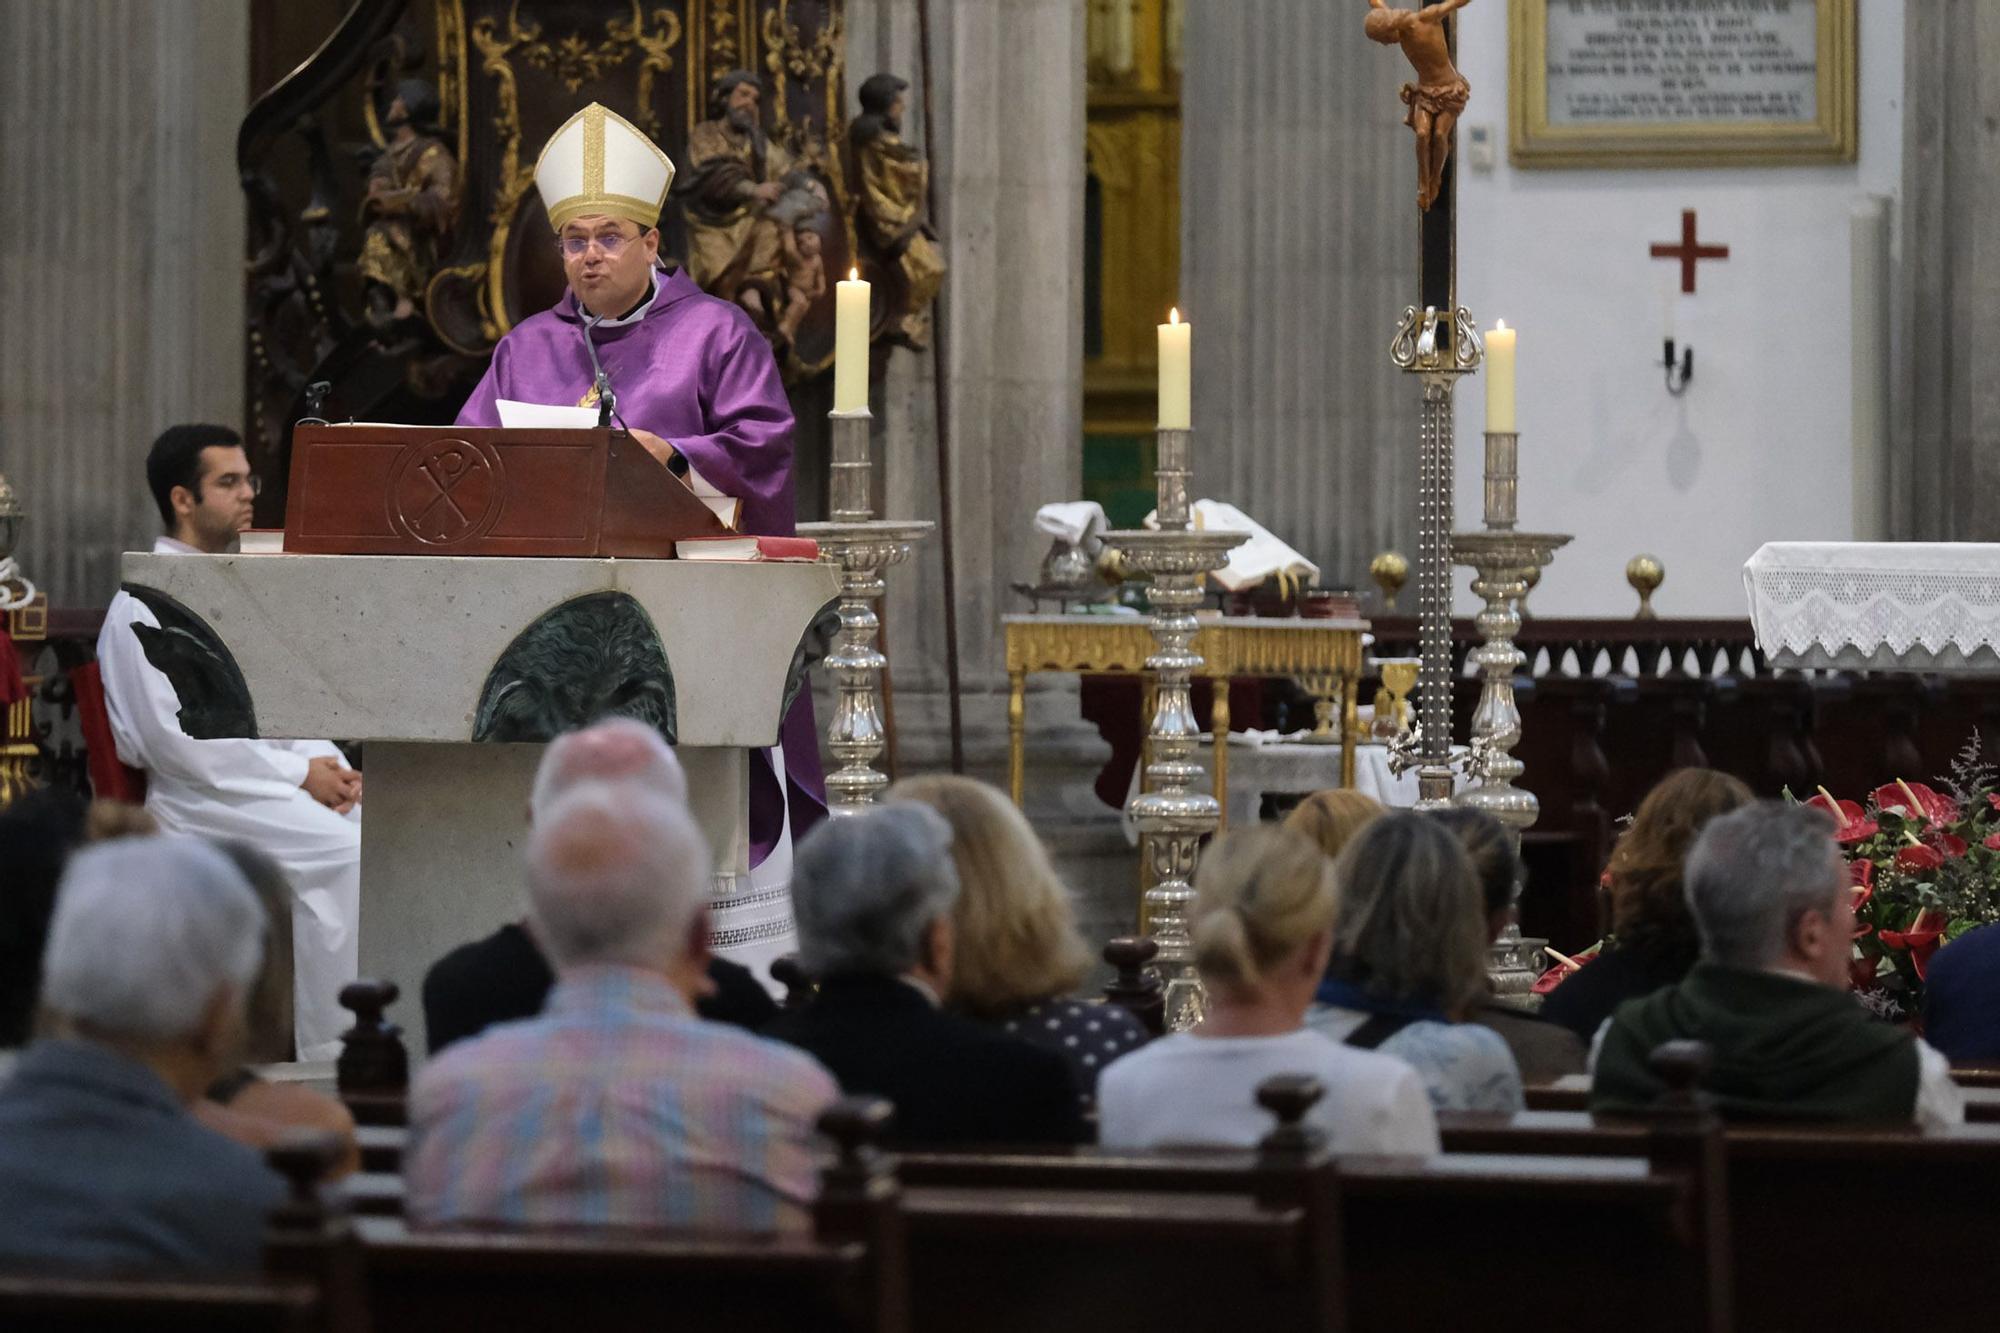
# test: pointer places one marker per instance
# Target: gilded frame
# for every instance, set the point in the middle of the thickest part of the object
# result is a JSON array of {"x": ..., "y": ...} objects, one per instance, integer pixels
[{"x": 1533, "y": 142}]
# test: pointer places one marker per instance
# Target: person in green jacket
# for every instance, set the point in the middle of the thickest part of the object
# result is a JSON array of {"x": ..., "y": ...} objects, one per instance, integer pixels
[{"x": 1772, "y": 901}]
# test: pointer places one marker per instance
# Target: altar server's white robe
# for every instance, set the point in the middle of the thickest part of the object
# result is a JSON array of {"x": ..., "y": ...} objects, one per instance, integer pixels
[{"x": 247, "y": 790}]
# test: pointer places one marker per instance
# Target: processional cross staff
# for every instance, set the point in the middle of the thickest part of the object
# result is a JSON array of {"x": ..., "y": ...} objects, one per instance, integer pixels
[{"x": 1437, "y": 342}]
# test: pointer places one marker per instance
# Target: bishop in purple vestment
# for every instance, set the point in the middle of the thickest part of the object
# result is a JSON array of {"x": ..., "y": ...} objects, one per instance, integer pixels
[{"x": 693, "y": 381}]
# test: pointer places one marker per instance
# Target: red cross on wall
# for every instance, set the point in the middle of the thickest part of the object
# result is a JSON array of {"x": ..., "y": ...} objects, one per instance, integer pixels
[{"x": 1688, "y": 251}]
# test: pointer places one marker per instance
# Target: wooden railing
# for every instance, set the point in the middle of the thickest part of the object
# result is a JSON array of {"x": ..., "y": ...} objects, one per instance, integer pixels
[{"x": 1609, "y": 707}]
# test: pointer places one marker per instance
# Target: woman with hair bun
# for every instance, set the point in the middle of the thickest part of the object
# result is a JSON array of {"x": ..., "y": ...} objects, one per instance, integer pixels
[{"x": 1262, "y": 929}]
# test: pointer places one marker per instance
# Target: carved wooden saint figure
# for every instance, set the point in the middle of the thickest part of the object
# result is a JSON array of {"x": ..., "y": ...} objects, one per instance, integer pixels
[
  {"x": 1438, "y": 96},
  {"x": 896, "y": 241},
  {"x": 411, "y": 204},
  {"x": 734, "y": 175}
]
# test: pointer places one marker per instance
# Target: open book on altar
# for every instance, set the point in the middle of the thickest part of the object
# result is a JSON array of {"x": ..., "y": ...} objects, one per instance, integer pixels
[
  {"x": 462, "y": 490},
  {"x": 517, "y": 414}
]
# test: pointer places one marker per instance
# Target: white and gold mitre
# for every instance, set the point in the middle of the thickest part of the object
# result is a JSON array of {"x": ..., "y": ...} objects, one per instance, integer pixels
[{"x": 599, "y": 162}]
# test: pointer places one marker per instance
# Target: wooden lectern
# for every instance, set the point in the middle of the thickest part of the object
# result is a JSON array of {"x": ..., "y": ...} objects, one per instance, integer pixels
[{"x": 456, "y": 490}]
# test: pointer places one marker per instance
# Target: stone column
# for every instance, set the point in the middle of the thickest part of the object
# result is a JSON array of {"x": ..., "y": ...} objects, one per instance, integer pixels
[
  {"x": 1298, "y": 253},
  {"x": 1008, "y": 153},
  {"x": 1945, "y": 473},
  {"x": 121, "y": 263}
]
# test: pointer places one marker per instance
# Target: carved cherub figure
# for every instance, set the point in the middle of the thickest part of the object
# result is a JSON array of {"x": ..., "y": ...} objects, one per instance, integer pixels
[{"x": 1440, "y": 92}]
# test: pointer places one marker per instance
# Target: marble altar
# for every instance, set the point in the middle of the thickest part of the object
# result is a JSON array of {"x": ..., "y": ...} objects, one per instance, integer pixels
[{"x": 427, "y": 660}]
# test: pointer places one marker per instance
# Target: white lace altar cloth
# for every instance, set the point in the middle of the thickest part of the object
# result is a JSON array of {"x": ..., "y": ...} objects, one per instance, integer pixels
[{"x": 1877, "y": 606}]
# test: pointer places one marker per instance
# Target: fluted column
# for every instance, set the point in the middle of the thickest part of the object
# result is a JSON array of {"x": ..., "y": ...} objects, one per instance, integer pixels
[
  {"x": 1298, "y": 252},
  {"x": 1945, "y": 469},
  {"x": 1008, "y": 151},
  {"x": 121, "y": 261}
]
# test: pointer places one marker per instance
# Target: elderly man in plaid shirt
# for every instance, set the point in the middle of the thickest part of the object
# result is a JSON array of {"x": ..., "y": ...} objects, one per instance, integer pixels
[{"x": 617, "y": 1106}]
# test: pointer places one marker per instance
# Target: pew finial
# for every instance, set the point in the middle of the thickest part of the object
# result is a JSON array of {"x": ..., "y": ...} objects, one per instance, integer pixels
[
  {"x": 305, "y": 1158},
  {"x": 1290, "y": 1098},
  {"x": 372, "y": 1057},
  {"x": 1681, "y": 1067},
  {"x": 1137, "y": 987},
  {"x": 857, "y": 1125},
  {"x": 790, "y": 973}
]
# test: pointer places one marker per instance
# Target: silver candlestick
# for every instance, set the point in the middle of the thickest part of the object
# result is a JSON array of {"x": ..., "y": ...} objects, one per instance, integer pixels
[
  {"x": 1505, "y": 564},
  {"x": 1172, "y": 817},
  {"x": 864, "y": 548}
]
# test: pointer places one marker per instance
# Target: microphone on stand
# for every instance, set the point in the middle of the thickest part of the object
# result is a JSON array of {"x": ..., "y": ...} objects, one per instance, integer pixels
[{"x": 607, "y": 402}]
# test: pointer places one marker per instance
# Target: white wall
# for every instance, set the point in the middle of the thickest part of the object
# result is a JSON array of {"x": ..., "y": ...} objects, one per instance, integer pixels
[{"x": 1759, "y": 449}]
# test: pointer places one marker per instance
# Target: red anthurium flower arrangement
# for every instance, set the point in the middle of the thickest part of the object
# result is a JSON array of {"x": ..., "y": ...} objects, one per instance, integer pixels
[{"x": 1924, "y": 863}]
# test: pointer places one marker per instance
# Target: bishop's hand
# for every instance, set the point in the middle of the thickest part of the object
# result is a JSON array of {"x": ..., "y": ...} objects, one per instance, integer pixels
[
  {"x": 332, "y": 783},
  {"x": 665, "y": 453}
]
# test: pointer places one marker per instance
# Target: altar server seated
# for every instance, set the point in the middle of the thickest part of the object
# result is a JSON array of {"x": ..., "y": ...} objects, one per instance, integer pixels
[
  {"x": 150, "y": 958},
  {"x": 295, "y": 799},
  {"x": 618, "y": 1106},
  {"x": 874, "y": 895},
  {"x": 1774, "y": 906}
]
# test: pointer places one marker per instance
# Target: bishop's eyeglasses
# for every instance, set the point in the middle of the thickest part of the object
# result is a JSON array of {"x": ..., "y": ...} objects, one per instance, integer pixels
[{"x": 610, "y": 242}]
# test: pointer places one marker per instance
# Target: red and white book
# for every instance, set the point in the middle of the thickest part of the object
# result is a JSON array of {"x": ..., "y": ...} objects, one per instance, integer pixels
[{"x": 747, "y": 548}]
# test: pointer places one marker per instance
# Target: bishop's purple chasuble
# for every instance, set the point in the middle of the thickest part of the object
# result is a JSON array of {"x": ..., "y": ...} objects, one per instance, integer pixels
[{"x": 693, "y": 370}]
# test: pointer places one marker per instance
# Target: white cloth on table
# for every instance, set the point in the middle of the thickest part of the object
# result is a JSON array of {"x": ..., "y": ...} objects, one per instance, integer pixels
[
  {"x": 1190, "y": 1090},
  {"x": 1910, "y": 606},
  {"x": 247, "y": 790},
  {"x": 1272, "y": 761},
  {"x": 1073, "y": 521},
  {"x": 1255, "y": 560}
]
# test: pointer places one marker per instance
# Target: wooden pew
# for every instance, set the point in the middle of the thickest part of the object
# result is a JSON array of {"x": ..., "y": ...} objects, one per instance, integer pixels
[
  {"x": 1289, "y": 1237},
  {"x": 1808, "y": 1207},
  {"x": 850, "y": 1274},
  {"x": 112, "y": 1305},
  {"x": 1980, "y": 1086}
]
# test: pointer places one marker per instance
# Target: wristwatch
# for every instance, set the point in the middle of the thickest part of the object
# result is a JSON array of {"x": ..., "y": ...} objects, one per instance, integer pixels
[{"x": 677, "y": 463}]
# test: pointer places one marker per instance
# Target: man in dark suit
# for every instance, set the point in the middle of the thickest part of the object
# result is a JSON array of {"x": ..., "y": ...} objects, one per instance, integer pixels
[
  {"x": 505, "y": 976},
  {"x": 873, "y": 894}
]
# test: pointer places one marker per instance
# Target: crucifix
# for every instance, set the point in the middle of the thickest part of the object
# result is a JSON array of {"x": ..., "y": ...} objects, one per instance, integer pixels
[{"x": 1689, "y": 252}]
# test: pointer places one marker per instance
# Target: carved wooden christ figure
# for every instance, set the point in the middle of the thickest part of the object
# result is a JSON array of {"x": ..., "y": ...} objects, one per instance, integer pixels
[
  {"x": 411, "y": 204},
  {"x": 1438, "y": 96},
  {"x": 896, "y": 241}
]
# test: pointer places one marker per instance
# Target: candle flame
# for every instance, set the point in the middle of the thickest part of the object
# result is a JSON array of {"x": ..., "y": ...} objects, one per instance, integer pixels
[
  {"x": 1174, "y": 315},
  {"x": 1499, "y": 325},
  {"x": 854, "y": 275}
]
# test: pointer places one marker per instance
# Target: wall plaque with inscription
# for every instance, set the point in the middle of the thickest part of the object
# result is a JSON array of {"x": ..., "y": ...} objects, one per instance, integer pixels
[{"x": 1681, "y": 82}]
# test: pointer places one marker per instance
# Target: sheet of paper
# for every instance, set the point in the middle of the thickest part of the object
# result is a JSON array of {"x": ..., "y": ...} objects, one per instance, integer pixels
[{"x": 517, "y": 415}]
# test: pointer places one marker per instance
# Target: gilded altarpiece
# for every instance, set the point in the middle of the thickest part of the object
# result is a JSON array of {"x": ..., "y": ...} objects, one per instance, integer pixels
[
  {"x": 1132, "y": 239},
  {"x": 506, "y": 74}
]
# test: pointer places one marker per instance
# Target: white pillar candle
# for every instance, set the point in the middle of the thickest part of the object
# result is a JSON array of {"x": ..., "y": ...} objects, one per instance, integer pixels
[
  {"x": 850, "y": 344},
  {"x": 1176, "y": 374},
  {"x": 1500, "y": 378}
]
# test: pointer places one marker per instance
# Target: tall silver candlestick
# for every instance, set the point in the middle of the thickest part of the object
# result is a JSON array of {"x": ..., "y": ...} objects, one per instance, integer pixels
[
  {"x": 864, "y": 548},
  {"x": 1504, "y": 564},
  {"x": 1172, "y": 817}
]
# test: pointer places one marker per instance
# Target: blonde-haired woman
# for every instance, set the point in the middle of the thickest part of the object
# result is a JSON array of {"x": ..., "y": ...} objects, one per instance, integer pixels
[
  {"x": 1017, "y": 957},
  {"x": 1262, "y": 929},
  {"x": 1408, "y": 964}
]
